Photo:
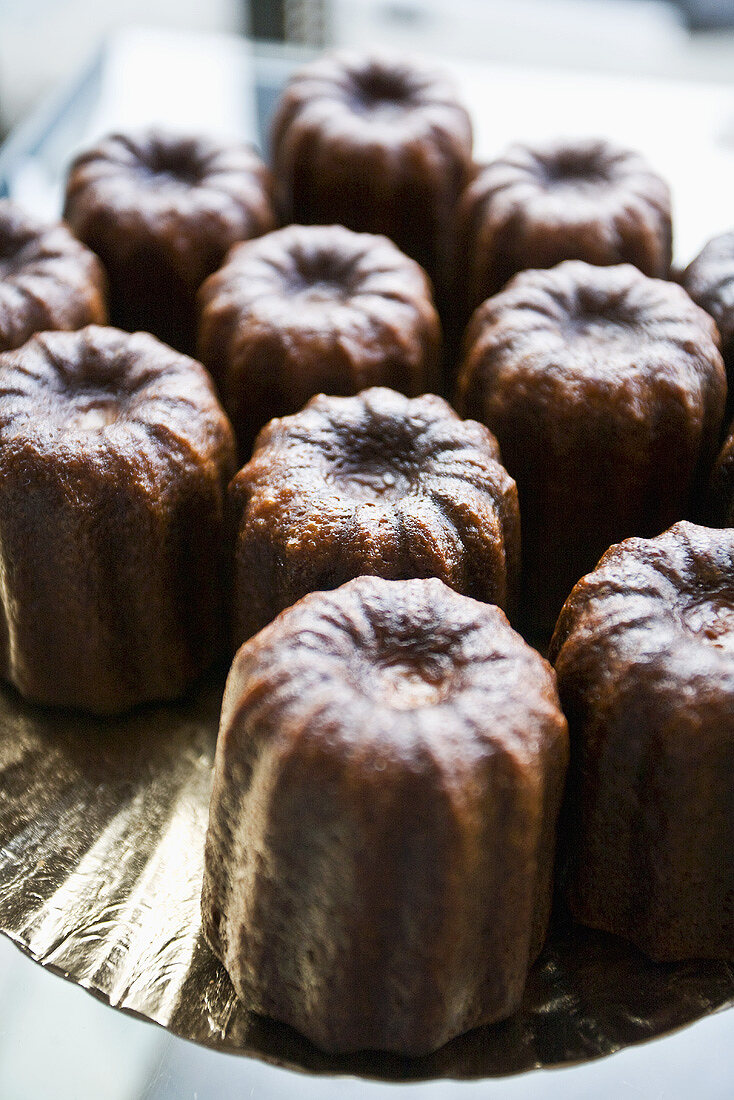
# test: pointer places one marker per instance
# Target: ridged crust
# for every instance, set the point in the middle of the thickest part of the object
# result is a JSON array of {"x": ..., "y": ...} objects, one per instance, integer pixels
[
  {"x": 375, "y": 484},
  {"x": 389, "y": 767},
  {"x": 583, "y": 199},
  {"x": 605, "y": 390},
  {"x": 644, "y": 653},
  {"x": 709, "y": 279},
  {"x": 376, "y": 143},
  {"x": 114, "y": 457},
  {"x": 161, "y": 211},
  {"x": 311, "y": 309},
  {"x": 48, "y": 279}
]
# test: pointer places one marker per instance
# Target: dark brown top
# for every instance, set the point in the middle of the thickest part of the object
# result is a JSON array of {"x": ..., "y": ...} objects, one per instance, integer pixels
[
  {"x": 654, "y": 603},
  {"x": 373, "y": 484},
  {"x": 121, "y": 402},
  {"x": 315, "y": 309},
  {"x": 48, "y": 280},
  {"x": 397, "y": 664},
  {"x": 537, "y": 205},
  {"x": 179, "y": 200},
  {"x": 374, "y": 142}
]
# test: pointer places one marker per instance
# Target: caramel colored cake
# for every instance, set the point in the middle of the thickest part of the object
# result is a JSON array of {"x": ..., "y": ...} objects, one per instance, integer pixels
[
  {"x": 376, "y": 143},
  {"x": 161, "y": 211},
  {"x": 389, "y": 768},
  {"x": 376, "y": 484},
  {"x": 315, "y": 309},
  {"x": 709, "y": 279},
  {"x": 114, "y": 456},
  {"x": 48, "y": 280},
  {"x": 644, "y": 652},
  {"x": 567, "y": 200},
  {"x": 605, "y": 390}
]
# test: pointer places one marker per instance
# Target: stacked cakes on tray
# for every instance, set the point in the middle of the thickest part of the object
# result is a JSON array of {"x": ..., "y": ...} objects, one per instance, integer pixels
[{"x": 352, "y": 417}]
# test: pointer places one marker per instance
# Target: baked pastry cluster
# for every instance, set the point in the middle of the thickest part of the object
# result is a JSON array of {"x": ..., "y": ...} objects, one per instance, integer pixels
[{"x": 392, "y": 754}]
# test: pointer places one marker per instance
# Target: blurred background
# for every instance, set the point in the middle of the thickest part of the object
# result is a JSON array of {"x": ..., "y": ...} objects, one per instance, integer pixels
[{"x": 44, "y": 42}]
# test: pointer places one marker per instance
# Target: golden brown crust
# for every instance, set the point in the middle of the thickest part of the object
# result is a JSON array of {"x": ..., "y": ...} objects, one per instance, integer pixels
[
  {"x": 388, "y": 774},
  {"x": 161, "y": 211},
  {"x": 644, "y": 651},
  {"x": 114, "y": 457},
  {"x": 48, "y": 279},
  {"x": 315, "y": 309},
  {"x": 376, "y": 143},
  {"x": 538, "y": 205},
  {"x": 375, "y": 484},
  {"x": 605, "y": 390}
]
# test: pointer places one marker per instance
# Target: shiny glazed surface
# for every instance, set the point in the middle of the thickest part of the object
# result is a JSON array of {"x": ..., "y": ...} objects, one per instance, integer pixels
[{"x": 586, "y": 997}]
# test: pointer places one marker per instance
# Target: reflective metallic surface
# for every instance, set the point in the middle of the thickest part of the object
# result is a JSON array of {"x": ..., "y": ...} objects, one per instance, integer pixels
[{"x": 101, "y": 834}]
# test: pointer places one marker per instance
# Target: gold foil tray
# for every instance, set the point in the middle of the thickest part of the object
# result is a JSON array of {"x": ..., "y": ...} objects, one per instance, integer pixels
[{"x": 101, "y": 834}]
